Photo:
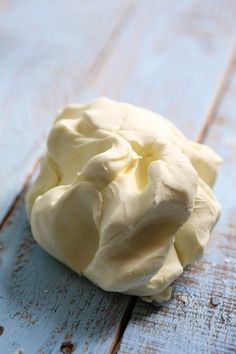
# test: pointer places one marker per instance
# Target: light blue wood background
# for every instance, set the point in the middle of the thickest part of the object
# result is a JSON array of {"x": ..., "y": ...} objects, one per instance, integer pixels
[{"x": 176, "y": 58}]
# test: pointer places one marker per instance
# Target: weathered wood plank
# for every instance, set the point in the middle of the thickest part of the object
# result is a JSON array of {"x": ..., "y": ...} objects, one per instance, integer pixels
[
  {"x": 43, "y": 303},
  {"x": 47, "y": 51},
  {"x": 207, "y": 322},
  {"x": 169, "y": 58},
  {"x": 127, "y": 69},
  {"x": 163, "y": 49}
]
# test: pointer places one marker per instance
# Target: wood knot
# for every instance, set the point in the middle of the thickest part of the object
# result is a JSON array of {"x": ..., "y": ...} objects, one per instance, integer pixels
[
  {"x": 215, "y": 301},
  {"x": 67, "y": 348},
  {"x": 1, "y": 330}
]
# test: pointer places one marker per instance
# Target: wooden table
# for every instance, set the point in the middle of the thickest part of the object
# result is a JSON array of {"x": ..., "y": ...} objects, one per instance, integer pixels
[{"x": 174, "y": 57}]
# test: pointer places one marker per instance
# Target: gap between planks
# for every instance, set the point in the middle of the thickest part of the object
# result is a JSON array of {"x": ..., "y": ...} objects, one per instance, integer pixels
[
  {"x": 122, "y": 325},
  {"x": 208, "y": 121},
  {"x": 219, "y": 94},
  {"x": 115, "y": 34},
  {"x": 23, "y": 190}
]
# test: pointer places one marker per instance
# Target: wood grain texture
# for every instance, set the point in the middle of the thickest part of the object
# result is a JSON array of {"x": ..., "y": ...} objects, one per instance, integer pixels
[
  {"x": 206, "y": 322},
  {"x": 43, "y": 303},
  {"x": 150, "y": 53},
  {"x": 164, "y": 56},
  {"x": 47, "y": 51},
  {"x": 169, "y": 58}
]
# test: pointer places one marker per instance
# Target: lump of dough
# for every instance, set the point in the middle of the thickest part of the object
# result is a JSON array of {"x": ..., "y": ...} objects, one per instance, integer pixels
[{"x": 123, "y": 197}]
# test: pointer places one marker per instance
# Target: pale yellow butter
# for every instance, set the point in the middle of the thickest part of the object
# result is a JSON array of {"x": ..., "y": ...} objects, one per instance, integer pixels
[{"x": 123, "y": 197}]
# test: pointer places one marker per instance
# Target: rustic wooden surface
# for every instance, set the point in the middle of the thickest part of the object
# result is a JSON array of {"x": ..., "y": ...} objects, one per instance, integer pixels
[
  {"x": 173, "y": 57},
  {"x": 48, "y": 49},
  {"x": 201, "y": 316}
]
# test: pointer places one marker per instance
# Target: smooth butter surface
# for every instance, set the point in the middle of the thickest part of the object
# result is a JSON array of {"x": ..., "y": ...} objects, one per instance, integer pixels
[{"x": 123, "y": 197}]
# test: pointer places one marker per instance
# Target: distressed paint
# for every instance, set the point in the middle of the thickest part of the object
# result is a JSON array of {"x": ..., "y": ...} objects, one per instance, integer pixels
[
  {"x": 43, "y": 303},
  {"x": 143, "y": 63},
  {"x": 169, "y": 58},
  {"x": 207, "y": 323},
  {"x": 47, "y": 51},
  {"x": 165, "y": 55}
]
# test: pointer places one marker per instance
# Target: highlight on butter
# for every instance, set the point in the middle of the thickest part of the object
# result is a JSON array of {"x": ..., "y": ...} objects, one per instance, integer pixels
[{"x": 123, "y": 197}]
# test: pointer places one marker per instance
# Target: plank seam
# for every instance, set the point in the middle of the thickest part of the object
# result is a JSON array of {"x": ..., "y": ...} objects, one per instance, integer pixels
[
  {"x": 114, "y": 347},
  {"x": 115, "y": 34},
  {"x": 221, "y": 89},
  {"x": 18, "y": 197}
]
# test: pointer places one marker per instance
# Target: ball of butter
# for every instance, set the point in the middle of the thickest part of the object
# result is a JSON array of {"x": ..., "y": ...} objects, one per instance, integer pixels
[{"x": 123, "y": 197}]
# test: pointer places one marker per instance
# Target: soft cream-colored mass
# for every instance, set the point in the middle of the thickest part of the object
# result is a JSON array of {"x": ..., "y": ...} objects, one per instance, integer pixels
[{"x": 123, "y": 197}]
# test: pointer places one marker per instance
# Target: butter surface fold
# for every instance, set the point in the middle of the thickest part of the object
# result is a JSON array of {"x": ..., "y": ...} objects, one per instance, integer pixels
[{"x": 123, "y": 197}]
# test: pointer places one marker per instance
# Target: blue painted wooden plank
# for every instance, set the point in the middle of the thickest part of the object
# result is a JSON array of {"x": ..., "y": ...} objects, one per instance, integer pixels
[
  {"x": 154, "y": 53},
  {"x": 47, "y": 51},
  {"x": 206, "y": 323},
  {"x": 121, "y": 71},
  {"x": 169, "y": 58},
  {"x": 43, "y": 303}
]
